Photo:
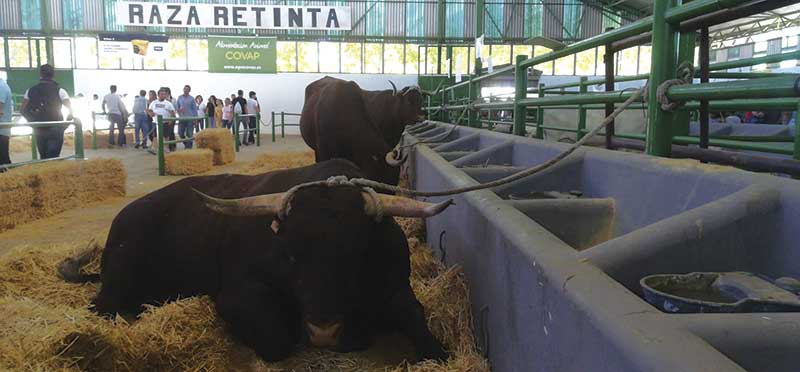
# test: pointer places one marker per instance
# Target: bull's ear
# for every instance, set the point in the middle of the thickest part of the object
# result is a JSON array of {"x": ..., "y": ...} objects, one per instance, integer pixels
[{"x": 261, "y": 205}]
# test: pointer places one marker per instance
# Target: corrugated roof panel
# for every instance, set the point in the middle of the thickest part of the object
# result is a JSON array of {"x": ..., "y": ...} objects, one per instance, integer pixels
[
  {"x": 533, "y": 20},
  {"x": 514, "y": 19},
  {"x": 431, "y": 19},
  {"x": 592, "y": 22},
  {"x": 31, "y": 15},
  {"x": 494, "y": 19},
  {"x": 552, "y": 21},
  {"x": 415, "y": 19},
  {"x": 395, "y": 19},
  {"x": 469, "y": 20},
  {"x": 454, "y": 24},
  {"x": 93, "y": 15},
  {"x": 72, "y": 14},
  {"x": 10, "y": 17},
  {"x": 56, "y": 20}
]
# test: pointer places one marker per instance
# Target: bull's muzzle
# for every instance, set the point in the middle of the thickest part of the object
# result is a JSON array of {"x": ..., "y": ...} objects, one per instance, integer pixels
[{"x": 323, "y": 335}]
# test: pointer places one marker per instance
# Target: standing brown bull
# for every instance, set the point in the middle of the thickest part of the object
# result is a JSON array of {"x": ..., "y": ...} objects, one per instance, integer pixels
[{"x": 341, "y": 120}]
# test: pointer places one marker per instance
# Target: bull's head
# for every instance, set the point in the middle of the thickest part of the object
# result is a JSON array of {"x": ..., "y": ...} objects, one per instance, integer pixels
[{"x": 327, "y": 235}]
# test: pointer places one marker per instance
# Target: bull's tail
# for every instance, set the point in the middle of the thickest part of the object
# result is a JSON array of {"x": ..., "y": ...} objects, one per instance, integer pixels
[{"x": 69, "y": 269}]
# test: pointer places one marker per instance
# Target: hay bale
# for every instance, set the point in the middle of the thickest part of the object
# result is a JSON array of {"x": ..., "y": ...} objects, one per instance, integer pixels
[
  {"x": 46, "y": 326},
  {"x": 189, "y": 162},
  {"x": 23, "y": 143},
  {"x": 285, "y": 160},
  {"x": 40, "y": 190},
  {"x": 219, "y": 140}
]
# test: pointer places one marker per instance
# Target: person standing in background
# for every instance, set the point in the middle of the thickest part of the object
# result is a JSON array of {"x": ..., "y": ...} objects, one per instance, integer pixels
[
  {"x": 240, "y": 107},
  {"x": 253, "y": 107},
  {"x": 218, "y": 112},
  {"x": 163, "y": 107},
  {"x": 43, "y": 102},
  {"x": 140, "y": 119},
  {"x": 6, "y": 106},
  {"x": 209, "y": 111},
  {"x": 187, "y": 107},
  {"x": 201, "y": 111},
  {"x": 115, "y": 110},
  {"x": 151, "y": 96},
  {"x": 227, "y": 114}
]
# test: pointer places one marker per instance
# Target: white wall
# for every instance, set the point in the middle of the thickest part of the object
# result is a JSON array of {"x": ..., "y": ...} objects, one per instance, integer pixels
[{"x": 276, "y": 92}]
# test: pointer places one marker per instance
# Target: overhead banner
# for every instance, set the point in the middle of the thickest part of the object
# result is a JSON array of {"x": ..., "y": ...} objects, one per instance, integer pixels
[
  {"x": 129, "y": 45},
  {"x": 242, "y": 54},
  {"x": 281, "y": 17}
]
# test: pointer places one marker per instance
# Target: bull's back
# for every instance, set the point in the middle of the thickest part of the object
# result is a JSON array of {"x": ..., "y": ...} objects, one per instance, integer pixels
[{"x": 169, "y": 243}]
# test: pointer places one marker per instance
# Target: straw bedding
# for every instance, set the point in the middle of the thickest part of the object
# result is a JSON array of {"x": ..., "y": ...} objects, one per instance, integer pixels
[
  {"x": 40, "y": 190},
  {"x": 188, "y": 162},
  {"x": 219, "y": 140},
  {"x": 46, "y": 325},
  {"x": 285, "y": 160}
]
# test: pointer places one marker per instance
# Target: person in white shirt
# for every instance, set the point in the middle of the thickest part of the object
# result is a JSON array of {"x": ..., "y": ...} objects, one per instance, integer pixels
[
  {"x": 253, "y": 107},
  {"x": 116, "y": 113},
  {"x": 164, "y": 108}
]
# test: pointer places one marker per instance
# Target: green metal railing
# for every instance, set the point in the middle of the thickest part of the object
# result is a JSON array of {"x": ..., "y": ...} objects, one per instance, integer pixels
[
  {"x": 672, "y": 47},
  {"x": 282, "y": 115},
  {"x": 78, "y": 128},
  {"x": 237, "y": 118}
]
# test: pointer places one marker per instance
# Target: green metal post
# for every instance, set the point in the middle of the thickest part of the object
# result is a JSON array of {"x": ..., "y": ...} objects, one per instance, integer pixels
[
  {"x": 472, "y": 116},
  {"x": 272, "y": 115},
  {"x": 540, "y": 115},
  {"x": 520, "y": 93},
  {"x": 236, "y": 131},
  {"x": 582, "y": 110},
  {"x": 34, "y": 149},
  {"x": 283, "y": 124},
  {"x": 797, "y": 135},
  {"x": 160, "y": 134},
  {"x": 659, "y": 133},
  {"x": 94, "y": 132},
  {"x": 258, "y": 129},
  {"x": 79, "y": 140},
  {"x": 686, "y": 44},
  {"x": 207, "y": 123}
]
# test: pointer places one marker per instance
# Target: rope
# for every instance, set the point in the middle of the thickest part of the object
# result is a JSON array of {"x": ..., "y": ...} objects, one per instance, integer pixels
[
  {"x": 376, "y": 208},
  {"x": 512, "y": 178},
  {"x": 685, "y": 74}
]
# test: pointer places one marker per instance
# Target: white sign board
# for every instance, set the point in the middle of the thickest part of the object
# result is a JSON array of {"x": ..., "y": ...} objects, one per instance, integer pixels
[
  {"x": 136, "y": 13},
  {"x": 130, "y": 45}
]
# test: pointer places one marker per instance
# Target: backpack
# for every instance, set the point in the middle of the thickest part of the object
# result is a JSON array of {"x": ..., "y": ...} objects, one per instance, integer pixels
[{"x": 44, "y": 102}]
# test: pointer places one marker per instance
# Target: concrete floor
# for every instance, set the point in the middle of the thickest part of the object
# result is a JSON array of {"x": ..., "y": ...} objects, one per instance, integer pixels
[{"x": 142, "y": 168}]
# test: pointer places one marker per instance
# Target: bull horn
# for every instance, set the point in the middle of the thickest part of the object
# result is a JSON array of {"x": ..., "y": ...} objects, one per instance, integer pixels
[
  {"x": 435, "y": 92},
  {"x": 396, "y": 157},
  {"x": 261, "y": 205},
  {"x": 418, "y": 89},
  {"x": 394, "y": 88},
  {"x": 398, "y": 206}
]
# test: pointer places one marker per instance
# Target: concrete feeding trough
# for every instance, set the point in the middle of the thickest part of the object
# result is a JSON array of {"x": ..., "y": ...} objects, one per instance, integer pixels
[{"x": 555, "y": 283}]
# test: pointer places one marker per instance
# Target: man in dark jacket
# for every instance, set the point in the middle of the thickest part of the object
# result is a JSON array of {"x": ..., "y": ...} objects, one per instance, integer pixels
[{"x": 42, "y": 102}]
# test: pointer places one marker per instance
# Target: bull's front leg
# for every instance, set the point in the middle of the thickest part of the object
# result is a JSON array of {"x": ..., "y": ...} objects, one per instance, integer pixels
[
  {"x": 406, "y": 311},
  {"x": 261, "y": 318}
]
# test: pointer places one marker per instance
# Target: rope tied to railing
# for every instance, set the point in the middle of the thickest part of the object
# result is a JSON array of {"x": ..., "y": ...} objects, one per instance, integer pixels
[
  {"x": 685, "y": 73},
  {"x": 514, "y": 177}
]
